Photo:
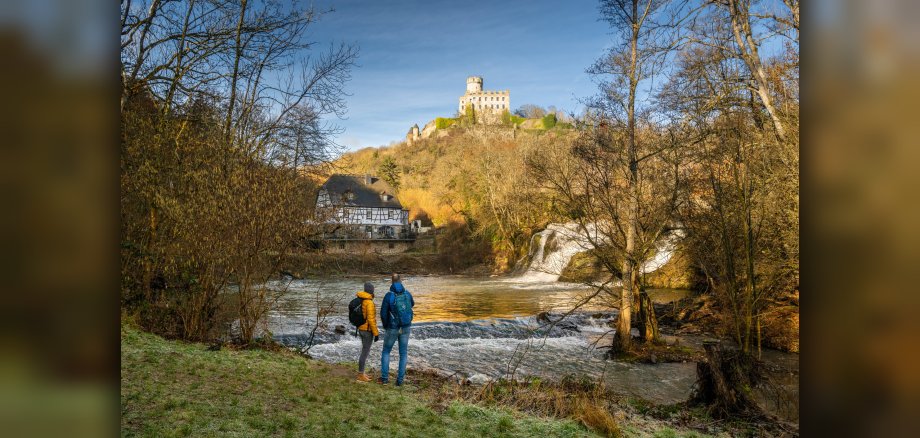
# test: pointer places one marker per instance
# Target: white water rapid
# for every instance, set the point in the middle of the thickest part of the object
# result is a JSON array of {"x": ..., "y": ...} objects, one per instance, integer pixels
[{"x": 558, "y": 243}]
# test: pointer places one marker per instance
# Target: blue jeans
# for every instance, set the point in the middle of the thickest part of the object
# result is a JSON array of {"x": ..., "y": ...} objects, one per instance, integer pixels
[{"x": 389, "y": 338}]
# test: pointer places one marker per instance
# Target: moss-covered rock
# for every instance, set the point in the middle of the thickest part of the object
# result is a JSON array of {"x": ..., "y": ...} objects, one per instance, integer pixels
[
  {"x": 584, "y": 267},
  {"x": 677, "y": 273}
]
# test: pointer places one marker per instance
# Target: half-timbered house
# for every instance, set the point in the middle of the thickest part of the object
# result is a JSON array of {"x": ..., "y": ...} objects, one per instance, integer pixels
[{"x": 361, "y": 212}]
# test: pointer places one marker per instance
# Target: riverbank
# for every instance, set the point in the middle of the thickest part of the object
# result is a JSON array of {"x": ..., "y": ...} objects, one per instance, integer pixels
[{"x": 171, "y": 388}]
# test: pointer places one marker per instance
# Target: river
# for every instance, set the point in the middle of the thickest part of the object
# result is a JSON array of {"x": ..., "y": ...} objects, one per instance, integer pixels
[{"x": 472, "y": 327}]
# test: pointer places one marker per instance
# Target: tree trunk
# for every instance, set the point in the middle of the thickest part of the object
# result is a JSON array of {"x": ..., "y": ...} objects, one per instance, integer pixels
[
  {"x": 238, "y": 53},
  {"x": 628, "y": 291},
  {"x": 648, "y": 322},
  {"x": 747, "y": 50},
  {"x": 725, "y": 383}
]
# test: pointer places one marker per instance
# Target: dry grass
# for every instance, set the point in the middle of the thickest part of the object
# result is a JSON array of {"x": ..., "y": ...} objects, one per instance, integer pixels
[{"x": 573, "y": 398}]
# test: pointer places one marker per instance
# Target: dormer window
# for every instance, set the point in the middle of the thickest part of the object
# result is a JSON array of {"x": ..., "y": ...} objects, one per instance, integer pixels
[
  {"x": 385, "y": 196},
  {"x": 348, "y": 195}
]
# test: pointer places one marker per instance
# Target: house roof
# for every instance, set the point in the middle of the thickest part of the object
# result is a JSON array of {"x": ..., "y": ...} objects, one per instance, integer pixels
[{"x": 367, "y": 190}]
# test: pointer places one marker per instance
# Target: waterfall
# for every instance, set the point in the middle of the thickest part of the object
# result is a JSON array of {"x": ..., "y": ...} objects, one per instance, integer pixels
[
  {"x": 664, "y": 250},
  {"x": 558, "y": 243}
]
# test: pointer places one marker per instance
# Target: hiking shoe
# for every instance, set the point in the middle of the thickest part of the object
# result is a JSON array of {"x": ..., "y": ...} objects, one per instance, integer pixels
[
  {"x": 363, "y": 378},
  {"x": 381, "y": 381}
]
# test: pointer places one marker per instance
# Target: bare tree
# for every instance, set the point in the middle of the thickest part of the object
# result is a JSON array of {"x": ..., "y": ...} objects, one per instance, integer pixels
[
  {"x": 530, "y": 111},
  {"x": 612, "y": 154},
  {"x": 223, "y": 104},
  {"x": 325, "y": 306},
  {"x": 747, "y": 47}
]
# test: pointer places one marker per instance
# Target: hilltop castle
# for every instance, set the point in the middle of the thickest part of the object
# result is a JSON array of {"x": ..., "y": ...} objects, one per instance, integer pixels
[{"x": 488, "y": 105}]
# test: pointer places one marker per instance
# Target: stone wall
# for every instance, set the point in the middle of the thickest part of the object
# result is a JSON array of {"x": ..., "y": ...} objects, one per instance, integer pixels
[
  {"x": 488, "y": 105},
  {"x": 368, "y": 246}
]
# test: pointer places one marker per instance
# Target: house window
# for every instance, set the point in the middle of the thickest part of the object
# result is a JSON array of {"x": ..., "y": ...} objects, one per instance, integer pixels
[
  {"x": 391, "y": 245},
  {"x": 370, "y": 214},
  {"x": 390, "y": 214},
  {"x": 369, "y": 229},
  {"x": 342, "y": 245}
]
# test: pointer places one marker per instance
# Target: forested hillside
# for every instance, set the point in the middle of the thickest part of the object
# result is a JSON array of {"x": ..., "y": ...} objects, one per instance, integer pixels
[{"x": 471, "y": 181}]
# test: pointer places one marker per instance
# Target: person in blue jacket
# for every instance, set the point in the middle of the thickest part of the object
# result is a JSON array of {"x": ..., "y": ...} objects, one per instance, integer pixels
[{"x": 396, "y": 315}]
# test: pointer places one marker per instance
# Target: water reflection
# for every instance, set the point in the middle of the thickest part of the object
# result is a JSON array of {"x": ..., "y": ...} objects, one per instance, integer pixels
[{"x": 457, "y": 299}]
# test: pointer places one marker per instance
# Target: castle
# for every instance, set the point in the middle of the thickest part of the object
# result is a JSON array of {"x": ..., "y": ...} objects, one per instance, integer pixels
[{"x": 488, "y": 105}]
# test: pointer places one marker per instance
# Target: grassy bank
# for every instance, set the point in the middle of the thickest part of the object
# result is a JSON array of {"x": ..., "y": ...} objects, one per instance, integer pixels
[{"x": 171, "y": 388}]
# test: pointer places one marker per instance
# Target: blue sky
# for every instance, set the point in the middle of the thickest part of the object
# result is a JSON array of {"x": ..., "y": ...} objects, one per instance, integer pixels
[{"x": 415, "y": 57}]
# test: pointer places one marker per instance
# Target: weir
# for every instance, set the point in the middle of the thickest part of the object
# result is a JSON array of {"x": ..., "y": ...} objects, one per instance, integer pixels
[{"x": 558, "y": 243}]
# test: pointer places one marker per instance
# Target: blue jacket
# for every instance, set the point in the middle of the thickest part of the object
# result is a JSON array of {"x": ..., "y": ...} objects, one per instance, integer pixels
[{"x": 387, "y": 309}]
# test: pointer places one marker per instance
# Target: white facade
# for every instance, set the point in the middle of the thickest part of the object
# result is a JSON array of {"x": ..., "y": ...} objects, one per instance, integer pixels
[
  {"x": 356, "y": 215},
  {"x": 484, "y": 102}
]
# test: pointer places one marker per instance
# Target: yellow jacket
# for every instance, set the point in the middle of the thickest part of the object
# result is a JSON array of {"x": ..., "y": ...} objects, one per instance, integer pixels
[{"x": 367, "y": 306}]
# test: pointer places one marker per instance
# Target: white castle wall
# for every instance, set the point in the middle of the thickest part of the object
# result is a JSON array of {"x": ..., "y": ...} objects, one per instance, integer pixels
[{"x": 487, "y": 104}]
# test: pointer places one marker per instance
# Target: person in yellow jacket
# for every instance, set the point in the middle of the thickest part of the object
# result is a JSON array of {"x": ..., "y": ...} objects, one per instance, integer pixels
[{"x": 367, "y": 331}]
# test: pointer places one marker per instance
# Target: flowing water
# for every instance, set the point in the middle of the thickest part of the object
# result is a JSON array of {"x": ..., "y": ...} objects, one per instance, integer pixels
[
  {"x": 553, "y": 248},
  {"x": 472, "y": 327}
]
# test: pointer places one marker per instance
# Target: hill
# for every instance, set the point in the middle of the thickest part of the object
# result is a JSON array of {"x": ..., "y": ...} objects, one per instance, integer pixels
[{"x": 471, "y": 182}]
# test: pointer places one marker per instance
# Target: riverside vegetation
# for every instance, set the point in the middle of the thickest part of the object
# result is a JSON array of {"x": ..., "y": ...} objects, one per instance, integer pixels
[{"x": 220, "y": 157}]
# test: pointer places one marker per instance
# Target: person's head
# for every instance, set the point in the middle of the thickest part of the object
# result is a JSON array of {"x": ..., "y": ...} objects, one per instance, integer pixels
[
  {"x": 369, "y": 288},
  {"x": 395, "y": 278}
]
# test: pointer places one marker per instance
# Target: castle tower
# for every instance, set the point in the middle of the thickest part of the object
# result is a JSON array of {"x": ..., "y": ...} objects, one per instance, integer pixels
[{"x": 474, "y": 84}]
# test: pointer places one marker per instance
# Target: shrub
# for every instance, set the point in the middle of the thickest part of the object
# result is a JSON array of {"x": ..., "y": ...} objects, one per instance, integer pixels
[
  {"x": 549, "y": 121},
  {"x": 444, "y": 123},
  {"x": 511, "y": 119}
]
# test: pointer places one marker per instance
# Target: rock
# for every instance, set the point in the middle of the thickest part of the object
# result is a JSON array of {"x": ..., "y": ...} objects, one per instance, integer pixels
[
  {"x": 340, "y": 329},
  {"x": 653, "y": 358},
  {"x": 544, "y": 319},
  {"x": 429, "y": 129},
  {"x": 568, "y": 325},
  {"x": 288, "y": 275}
]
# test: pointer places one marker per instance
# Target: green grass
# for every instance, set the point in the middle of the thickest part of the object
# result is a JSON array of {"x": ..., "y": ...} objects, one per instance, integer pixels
[{"x": 170, "y": 388}]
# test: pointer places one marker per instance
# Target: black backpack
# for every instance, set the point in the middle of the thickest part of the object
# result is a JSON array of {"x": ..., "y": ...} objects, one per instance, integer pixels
[{"x": 356, "y": 312}]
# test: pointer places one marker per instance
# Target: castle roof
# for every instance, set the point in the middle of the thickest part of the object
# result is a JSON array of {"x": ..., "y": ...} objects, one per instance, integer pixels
[{"x": 365, "y": 190}]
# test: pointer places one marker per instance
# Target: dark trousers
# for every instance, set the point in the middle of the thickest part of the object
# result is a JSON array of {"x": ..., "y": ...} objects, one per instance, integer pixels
[{"x": 367, "y": 338}]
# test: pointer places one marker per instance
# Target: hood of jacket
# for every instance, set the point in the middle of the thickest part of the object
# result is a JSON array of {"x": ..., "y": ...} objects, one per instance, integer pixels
[
  {"x": 397, "y": 288},
  {"x": 364, "y": 295}
]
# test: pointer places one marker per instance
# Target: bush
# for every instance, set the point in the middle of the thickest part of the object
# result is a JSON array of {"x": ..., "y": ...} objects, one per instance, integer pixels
[
  {"x": 444, "y": 123},
  {"x": 511, "y": 119},
  {"x": 549, "y": 121}
]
